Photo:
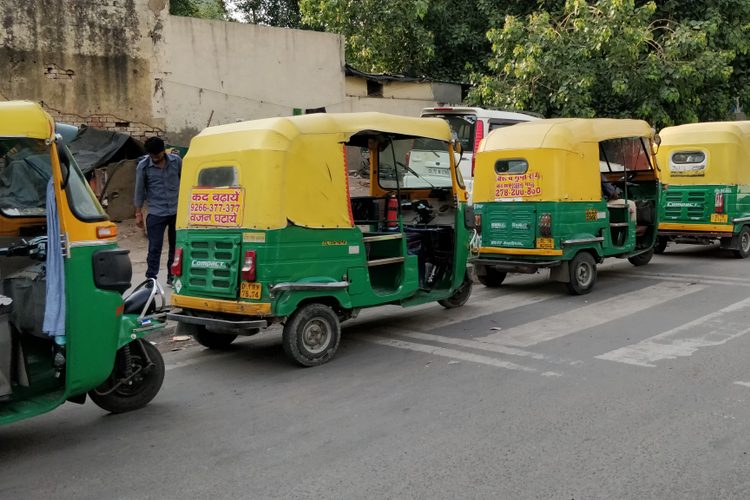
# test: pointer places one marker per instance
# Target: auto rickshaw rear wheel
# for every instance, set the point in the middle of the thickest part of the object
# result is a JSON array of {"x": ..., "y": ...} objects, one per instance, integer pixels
[
  {"x": 582, "y": 274},
  {"x": 120, "y": 394},
  {"x": 744, "y": 251},
  {"x": 205, "y": 338},
  {"x": 462, "y": 293},
  {"x": 492, "y": 277},
  {"x": 642, "y": 258},
  {"x": 312, "y": 334}
]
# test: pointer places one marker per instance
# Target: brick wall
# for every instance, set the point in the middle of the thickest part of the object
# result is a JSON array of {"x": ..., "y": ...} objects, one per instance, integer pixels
[{"x": 139, "y": 131}]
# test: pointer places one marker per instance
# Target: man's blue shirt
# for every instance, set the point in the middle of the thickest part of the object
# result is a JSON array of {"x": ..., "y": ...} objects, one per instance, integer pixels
[{"x": 159, "y": 186}]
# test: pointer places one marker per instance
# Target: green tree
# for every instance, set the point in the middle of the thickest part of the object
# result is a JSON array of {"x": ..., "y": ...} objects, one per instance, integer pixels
[
  {"x": 204, "y": 9},
  {"x": 281, "y": 13},
  {"x": 611, "y": 58}
]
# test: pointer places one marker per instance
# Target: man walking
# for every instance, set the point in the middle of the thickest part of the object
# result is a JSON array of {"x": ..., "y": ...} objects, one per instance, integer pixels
[{"x": 157, "y": 181}]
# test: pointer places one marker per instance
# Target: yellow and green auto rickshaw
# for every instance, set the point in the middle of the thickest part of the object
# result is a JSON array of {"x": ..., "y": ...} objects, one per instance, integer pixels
[
  {"x": 65, "y": 330},
  {"x": 564, "y": 194},
  {"x": 706, "y": 172},
  {"x": 267, "y": 230}
]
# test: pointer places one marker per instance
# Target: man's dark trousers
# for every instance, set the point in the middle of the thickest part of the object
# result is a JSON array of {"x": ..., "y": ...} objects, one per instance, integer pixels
[{"x": 155, "y": 226}]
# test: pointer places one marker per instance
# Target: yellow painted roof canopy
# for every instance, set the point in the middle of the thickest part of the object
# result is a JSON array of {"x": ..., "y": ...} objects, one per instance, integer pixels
[
  {"x": 562, "y": 133},
  {"x": 293, "y": 168},
  {"x": 727, "y": 145},
  {"x": 25, "y": 119}
]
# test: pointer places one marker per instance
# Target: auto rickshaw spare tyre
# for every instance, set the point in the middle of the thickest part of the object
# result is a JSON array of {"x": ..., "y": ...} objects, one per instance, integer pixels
[
  {"x": 492, "y": 277},
  {"x": 462, "y": 293},
  {"x": 135, "y": 380},
  {"x": 582, "y": 274},
  {"x": 661, "y": 245},
  {"x": 642, "y": 258},
  {"x": 744, "y": 251},
  {"x": 205, "y": 338},
  {"x": 312, "y": 334}
]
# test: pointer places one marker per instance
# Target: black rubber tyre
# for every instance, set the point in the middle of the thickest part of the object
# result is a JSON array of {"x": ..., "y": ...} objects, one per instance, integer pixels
[
  {"x": 312, "y": 334},
  {"x": 462, "y": 293},
  {"x": 642, "y": 258},
  {"x": 744, "y": 251},
  {"x": 493, "y": 278},
  {"x": 661, "y": 245},
  {"x": 205, "y": 338},
  {"x": 582, "y": 274},
  {"x": 145, "y": 385}
]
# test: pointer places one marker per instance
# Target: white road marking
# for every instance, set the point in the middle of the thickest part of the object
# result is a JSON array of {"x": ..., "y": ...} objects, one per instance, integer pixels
[
  {"x": 746, "y": 384},
  {"x": 473, "y": 344},
  {"x": 711, "y": 330},
  {"x": 590, "y": 316},
  {"x": 450, "y": 353},
  {"x": 688, "y": 278}
]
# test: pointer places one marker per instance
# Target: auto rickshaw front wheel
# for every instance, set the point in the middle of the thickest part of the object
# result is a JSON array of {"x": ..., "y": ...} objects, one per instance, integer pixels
[
  {"x": 135, "y": 380},
  {"x": 642, "y": 258},
  {"x": 312, "y": 334},
  {"x": 462, "y": 293},
  {"x": 582, "y": 274},
  {"x": 492, "y": 277}
]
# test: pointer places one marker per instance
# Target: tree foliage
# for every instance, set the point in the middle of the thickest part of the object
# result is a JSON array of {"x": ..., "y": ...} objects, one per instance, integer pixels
[
  {"x": 619, "y": 58},
  {"x": 280, "y": 13},
  {"x": 204, "y": 9}
]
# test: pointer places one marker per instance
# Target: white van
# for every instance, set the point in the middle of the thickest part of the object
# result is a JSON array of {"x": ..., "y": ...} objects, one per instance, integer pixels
[{"x": 471, "y": 125}]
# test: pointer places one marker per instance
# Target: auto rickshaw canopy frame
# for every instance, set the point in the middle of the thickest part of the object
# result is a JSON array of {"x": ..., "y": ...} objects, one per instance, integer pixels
[{"x": 294, "y": 168}]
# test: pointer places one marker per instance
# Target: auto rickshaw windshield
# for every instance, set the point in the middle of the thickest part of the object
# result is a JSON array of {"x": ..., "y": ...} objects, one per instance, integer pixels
[
  {"x": 421, "y": 163},
  {"x": 25, "y": 170}
]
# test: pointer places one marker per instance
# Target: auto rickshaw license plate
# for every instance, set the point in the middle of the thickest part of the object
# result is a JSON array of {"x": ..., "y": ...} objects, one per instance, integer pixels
[
  {"x": 250, "y": 290},
  {"x": 548, "y": 243},
  {"x": 719, "y": 217}
]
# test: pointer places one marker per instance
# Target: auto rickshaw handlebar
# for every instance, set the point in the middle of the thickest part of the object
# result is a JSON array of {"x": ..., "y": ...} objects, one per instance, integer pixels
[{"x": 35, "y": 249}]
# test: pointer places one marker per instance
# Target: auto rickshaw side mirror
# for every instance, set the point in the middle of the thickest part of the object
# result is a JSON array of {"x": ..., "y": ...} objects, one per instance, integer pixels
[
  {"x": 657, "y": 141},
  {"x": 470, "y": 221}
]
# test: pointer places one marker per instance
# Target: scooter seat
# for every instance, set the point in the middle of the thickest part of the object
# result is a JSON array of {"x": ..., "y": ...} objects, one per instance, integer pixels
[{"x": 136, "y": 301}]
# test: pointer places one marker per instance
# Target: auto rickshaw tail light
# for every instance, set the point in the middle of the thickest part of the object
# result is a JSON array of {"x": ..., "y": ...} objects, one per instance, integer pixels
[
  {"x": 478, "y": 223},
  {"x": 177, "y": 262},
  {"x": 103, "y": 232},
  {"x": 478, "y": 136},
  {"x": 248, "y": 269},
  {"x": 719, "y": 204},
  {"x": 545, "y": 225}
]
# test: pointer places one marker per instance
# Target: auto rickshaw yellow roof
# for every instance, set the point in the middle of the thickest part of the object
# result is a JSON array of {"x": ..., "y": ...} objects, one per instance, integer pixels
[
  {"x": 706, "y": 133},
  {"x": 293, "y": 168},
  {"x": 346, "y": 124},
  {"x": 25, "y": 119},
  {"x": 563, "y": 133}
]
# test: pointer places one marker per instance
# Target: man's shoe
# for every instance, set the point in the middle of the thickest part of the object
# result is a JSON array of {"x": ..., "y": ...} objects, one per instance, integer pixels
[{"x": 170, "y": 280}]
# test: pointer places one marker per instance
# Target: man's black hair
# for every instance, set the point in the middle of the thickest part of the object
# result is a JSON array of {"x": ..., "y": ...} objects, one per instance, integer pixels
[{"x": 154, "y": 145}]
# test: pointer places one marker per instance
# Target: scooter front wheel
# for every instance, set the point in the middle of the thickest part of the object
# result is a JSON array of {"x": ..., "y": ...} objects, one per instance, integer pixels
[{"x": 123, "y": 392}]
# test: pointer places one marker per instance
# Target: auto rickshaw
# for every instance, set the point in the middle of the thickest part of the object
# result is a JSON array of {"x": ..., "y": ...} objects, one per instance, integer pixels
[
  {"x": 59, "y": 262},
  {"x": 539, "y": 199},
  {"x": 707, "y": 185},
  {"x": 267, "y": 230}
]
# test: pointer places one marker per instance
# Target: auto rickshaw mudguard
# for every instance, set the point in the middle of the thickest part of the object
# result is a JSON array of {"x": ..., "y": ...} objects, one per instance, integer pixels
[{"x": 288, "y": 301}]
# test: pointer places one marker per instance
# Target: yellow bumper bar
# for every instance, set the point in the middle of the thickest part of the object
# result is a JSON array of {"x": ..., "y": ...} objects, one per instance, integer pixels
[
  {"x": 521, "y": 251},
  {"x": 225, "y": 306},
  {"x": 716, "y": 228}
]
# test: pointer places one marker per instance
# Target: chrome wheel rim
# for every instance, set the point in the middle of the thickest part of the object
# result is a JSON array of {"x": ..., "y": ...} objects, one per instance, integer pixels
[
  {"x": 316, "y": 335},
  {"x": 745, "y": 242},
  {"x": 584, "y": 274}
]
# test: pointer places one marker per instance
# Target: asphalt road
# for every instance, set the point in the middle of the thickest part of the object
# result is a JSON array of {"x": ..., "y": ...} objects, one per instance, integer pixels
[{"x": 639, "y": 390}]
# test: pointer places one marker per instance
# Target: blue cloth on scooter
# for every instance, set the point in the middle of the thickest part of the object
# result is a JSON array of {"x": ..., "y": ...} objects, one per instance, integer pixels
[{"x": 54, "y": 304}]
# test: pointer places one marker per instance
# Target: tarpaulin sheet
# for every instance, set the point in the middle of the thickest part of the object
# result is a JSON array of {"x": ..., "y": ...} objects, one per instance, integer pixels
[{"x": 93, "y": 148}]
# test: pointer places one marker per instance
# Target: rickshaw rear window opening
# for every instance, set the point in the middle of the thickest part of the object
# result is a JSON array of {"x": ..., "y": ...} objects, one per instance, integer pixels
[
  {"x": 517, "y": 166},
  {"x": 685, "y": 161},
  {"x": 463, "y": 127},
  {"x": 626, "y": 153},
  {"x": 219, "y": 177},
  {"x": 25, "y": 170}
]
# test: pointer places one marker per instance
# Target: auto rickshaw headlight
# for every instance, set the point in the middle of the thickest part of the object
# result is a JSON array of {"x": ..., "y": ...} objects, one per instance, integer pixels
[
  {"x": 248, "y": 269},
  {"x": 545, "y": 225}
]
